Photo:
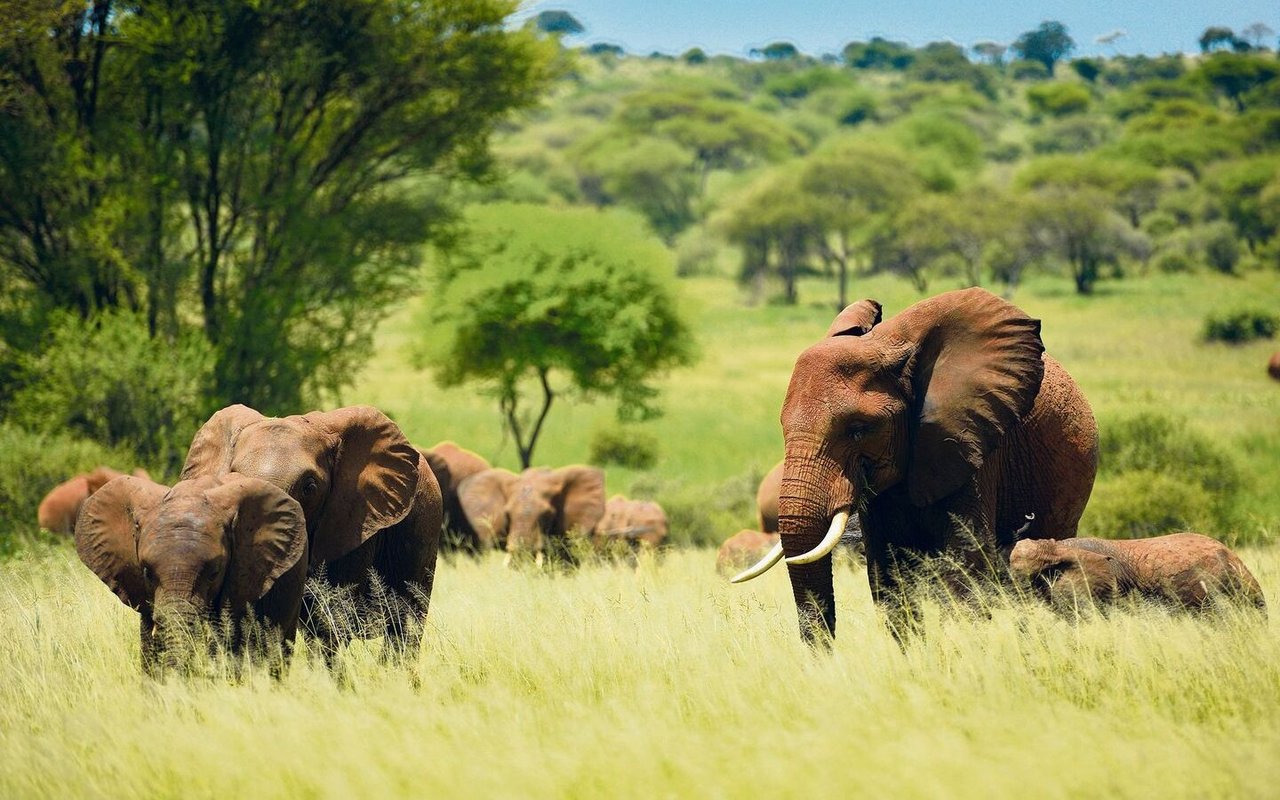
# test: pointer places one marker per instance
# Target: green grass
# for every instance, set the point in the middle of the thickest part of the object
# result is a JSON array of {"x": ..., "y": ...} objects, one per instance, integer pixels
[
  {"x": 667, "y": 682},
  {"x": 1133, "y": 347}
]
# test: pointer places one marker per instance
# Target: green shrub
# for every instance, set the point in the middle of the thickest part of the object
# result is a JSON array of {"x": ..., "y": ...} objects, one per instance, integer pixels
[
  {"x": 1157, "y": 473},
  {"x": 1058, "y": 99},
  {"x": 1026, "y": 70},
  {"x": 31, "y": 464},
  {"x": 108, "y": 381},
  {"x": 698, "y": 517},
  {"x": 1173, "y": 261},
  {"x": 624, "y": 447},
  {"x": 1237, "y": 327},
  {"x": 1221, "y": 247},
  {"x": 1142, "y": 503}
]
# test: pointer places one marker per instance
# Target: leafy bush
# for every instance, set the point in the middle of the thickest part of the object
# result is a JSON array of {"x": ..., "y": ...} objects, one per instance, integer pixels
[
  {"x": 624, "y": 447},
  {"x": 1173, "y": 261},
  {"x": 1058, "y": 99},
  {"x": 698, "y": 517},
  {"x": 1221, "y": 247},
  {"x": 1158, "y": 474},
  {"x": 1027, "y": 70},
  {"x": 1237, "y": 327},
  {"x": 31, "y": 464},
  {"x": 1143, "y": 503},
  {"x": 109, "y": 381}
]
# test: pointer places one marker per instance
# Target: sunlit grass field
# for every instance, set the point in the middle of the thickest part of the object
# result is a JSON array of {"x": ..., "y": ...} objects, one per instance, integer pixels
[
  {"x": 667, "y": 681},
  {"x": 661, "y": 682}
]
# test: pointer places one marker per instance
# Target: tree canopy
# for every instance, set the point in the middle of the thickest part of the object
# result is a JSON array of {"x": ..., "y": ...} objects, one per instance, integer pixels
[
  {"x": 1047, "y": 44},
  {"x": 538, "y": 303},
  {"x": 265, "y": 170}
]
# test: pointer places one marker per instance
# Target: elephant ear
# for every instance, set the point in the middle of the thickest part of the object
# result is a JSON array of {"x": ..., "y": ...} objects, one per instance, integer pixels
[
  {"x": 268, "y": 536},
  {"x": 374, "y": 480},
  {"x": 210, "y": 452},
  {"x": 580, "y": 502},
  {"x": 976, "y": 372},
  {"x": 857, "y": 319},
  {"x": 107, "y": 534},
  {"x": 483, "y": 497}
]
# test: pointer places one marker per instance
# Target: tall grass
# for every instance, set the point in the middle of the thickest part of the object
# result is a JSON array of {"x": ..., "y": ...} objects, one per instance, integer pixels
[{"x": 664, "y": 681}]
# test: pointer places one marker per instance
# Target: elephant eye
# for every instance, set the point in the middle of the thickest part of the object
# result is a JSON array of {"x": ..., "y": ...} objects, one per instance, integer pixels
[
  {"x": 309, "y": 488},
  {"x": 856, "y": 430}
]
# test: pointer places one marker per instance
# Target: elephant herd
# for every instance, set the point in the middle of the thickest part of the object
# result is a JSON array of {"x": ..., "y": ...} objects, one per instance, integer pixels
[{"x": 943, "y": 443}]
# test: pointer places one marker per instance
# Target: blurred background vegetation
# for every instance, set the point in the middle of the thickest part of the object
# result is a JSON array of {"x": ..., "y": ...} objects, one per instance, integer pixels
[{"x": 396, "y": 202}]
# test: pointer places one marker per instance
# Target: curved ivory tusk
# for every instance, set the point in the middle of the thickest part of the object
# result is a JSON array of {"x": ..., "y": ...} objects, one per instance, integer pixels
[
  {"x": 761, "y": 567},
  {"x": 537, "y": 560},
  {"x": 506, "y": 561},
  {"x": 828, "y": 542}
]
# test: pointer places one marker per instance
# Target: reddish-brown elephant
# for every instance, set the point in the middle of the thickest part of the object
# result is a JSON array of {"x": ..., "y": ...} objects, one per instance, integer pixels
[
  {"x": 1183, "y": 570},
  {"x": 767, "y": 499},
  {"x": 452, "y": 465},
  {"x": 743, "y": 549},
  {"x": 635, "y": 523},
  {"x": 60, "y": 507},
  {"x": 1273, "y": 366},
  {"x": 941, "y": 429},
  {"x": 370, "y": 499},
  {"x": 540, "y": 512},
  {"x": 178, "y": 556}
]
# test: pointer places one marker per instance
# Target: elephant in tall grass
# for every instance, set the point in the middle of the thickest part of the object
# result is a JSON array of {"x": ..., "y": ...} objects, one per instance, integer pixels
[
  {"x": 211, "y": 545},
  {"x": 59, "y": 509},
  {"x": 633, "y": 523},
  {"x": 452, "y": 465},
  {"x": 941, "y": 429},
  {"x": 372, "y": 505},
  {"x": 1182, "y": 570},
  {"x": 539, "y": 513}
]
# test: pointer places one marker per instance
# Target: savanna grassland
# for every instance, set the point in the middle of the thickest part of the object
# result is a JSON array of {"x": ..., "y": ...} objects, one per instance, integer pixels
[
  {"x": 1123, "y": 201},
  {"x": 668, "y": 680}
]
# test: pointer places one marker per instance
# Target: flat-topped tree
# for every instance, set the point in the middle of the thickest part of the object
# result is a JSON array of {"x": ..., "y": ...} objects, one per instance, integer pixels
[{"x": 1047, "y": 44}]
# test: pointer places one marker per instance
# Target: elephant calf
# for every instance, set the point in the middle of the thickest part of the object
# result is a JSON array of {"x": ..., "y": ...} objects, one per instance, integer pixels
[
  {"x": 185, "y": 555},
  {"x": 636, "y": 523},
  {"x": 1184, "y": 570}
]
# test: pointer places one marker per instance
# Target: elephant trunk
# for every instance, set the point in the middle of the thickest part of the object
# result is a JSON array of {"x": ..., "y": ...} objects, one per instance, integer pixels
[{"x": 814, "y": 495}]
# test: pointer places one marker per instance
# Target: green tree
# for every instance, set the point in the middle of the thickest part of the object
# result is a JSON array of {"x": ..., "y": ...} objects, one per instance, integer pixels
[
  {"x": 777, "y": 51},
  {"x": 1215, "y": 37},
  {"x": 775, "y": 224},
  {"x": 1088, "y": 236},
  {"x": 1047, "y": 44},
  {"x": 268, "y": 168},
  {"x": 849, "y": 189},
  {"x": 650, "y": 174},
  {"x": 560, "y": 23},
  {"x": 721, "y": 132},
  {"x": 537, "y": 303},
  {"x": 1234, "y": 74},
  {"x": 1058, "y": 99},
  {"x": 993, "y": 52},
  {"x": 1241, "y": 187},
  {"x": 879, "y": 53}
]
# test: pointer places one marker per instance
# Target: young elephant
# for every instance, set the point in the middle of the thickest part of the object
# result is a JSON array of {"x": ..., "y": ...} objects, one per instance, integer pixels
[
  {"x": 61, "y": 506},
  {"x": 635, "y": 523},
  {"x": 743, "y": 549},
  {"x": 1185, "y": 570},
  {"x": 535, "y": 513},
  {"x": 371, "y": 503},
  {"x": 186, "y": 554}
]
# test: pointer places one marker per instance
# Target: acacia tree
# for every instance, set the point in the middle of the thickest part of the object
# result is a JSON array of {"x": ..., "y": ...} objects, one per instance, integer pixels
[
  {"x": 265, "y": 167},
  {"x": 1048, "y": 44},
  {"x": 776, "y": 224},
  {"x": 850, "y": 189},
  {"x": 541, "y": 303}
]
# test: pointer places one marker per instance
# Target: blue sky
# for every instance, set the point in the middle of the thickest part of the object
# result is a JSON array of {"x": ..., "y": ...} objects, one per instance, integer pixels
[{"x": 822, "y": 26}]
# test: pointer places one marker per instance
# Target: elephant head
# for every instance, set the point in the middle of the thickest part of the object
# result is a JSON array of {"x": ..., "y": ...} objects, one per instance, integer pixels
[
  {"x": 913, "y": 404},
  {"x": 182, "y": 554},
  {"x": 452, "y": 465},
  {"x": 534, "y": 511},
  {"x": 352, "y": 470},
  {"x": 635, "y": 523}
]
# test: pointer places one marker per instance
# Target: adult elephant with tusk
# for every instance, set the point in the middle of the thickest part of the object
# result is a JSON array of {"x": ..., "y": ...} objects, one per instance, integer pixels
[{"x": 941, "y": 430}]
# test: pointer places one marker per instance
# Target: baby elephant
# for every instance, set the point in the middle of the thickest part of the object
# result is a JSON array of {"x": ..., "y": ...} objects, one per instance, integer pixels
[
  {"x": 635, "y": 523},
  {"x": 185, "y": 555},
  {"x": 1184, "y": 570}
]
